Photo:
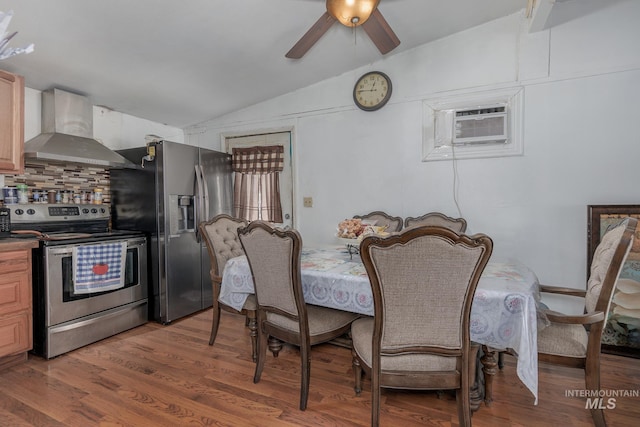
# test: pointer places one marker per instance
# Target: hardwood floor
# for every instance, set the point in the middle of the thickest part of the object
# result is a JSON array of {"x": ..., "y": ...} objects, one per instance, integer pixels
[{"x": 158, "y": 375}]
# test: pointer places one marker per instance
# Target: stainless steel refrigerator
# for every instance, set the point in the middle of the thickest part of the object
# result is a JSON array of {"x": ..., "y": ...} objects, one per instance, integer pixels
[{"x": 174, "y": 188}]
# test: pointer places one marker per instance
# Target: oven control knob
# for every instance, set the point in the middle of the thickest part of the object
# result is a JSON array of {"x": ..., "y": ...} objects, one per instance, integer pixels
[
  {"x": 30, "y": 211},
  {"x": 85, "y": 211},
  {"x": 94, "y": 210},
  {"x": 102, "y": 210},
  {"x": 18, "y": 211}
]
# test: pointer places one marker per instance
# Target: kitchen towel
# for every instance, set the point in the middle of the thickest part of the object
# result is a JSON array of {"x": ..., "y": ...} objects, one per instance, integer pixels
[{"x": 98, "y": 268}]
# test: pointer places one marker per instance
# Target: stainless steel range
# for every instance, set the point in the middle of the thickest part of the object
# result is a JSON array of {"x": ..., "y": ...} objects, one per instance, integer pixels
[{"x": 89, "y": 282}]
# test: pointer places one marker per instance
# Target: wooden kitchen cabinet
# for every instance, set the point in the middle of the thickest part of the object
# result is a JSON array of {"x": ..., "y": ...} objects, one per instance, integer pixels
[
  {"x": 16, "y": 318},
  {"x": 11, "y": 123}
]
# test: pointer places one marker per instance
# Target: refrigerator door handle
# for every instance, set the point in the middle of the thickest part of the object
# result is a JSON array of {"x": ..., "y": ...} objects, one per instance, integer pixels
[
  {"x": 205, "y": 195},
  {"x": 197, "y": 211}
]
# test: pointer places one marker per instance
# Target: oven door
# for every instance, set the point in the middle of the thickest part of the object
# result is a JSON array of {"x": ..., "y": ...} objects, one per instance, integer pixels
[{"x": 63, "y": 304}]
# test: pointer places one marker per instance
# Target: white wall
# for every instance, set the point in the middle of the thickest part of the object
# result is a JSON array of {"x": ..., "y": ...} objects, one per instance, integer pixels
[
  {"x": 581, "y": 82},
  {"x": 113, "y": 129}
]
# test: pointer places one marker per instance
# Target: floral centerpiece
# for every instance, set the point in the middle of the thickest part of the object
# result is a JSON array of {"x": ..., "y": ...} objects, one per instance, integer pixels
[{"x": 356, "y": 228}]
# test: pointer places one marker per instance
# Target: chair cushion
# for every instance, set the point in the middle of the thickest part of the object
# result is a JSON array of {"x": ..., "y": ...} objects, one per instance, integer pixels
[
  {"x": 321, "y": 320},
  {"x": 224, "y": 238},
  {"x": 362, "y": 335},
  {"x": 563, "y": 340},
  {"x": 251, "y": 303},
  {"x": 600, "y": 264}
]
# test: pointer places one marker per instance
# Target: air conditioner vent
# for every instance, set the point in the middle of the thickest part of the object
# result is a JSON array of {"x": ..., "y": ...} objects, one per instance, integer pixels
[
  {"x": 481, "y": 125},
  {"x": 480, "y": 111}
]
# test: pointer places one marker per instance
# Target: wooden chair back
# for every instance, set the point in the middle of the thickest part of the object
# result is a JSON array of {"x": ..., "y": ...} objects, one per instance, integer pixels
[
  {"x": 459, "y": 225},
  {"x": 393, "y": 223}
]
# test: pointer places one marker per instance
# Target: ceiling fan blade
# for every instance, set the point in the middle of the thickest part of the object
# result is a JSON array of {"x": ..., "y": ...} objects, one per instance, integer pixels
[
  {"x": 380, "y": 32},
  {"x": 311, "y": 37}
]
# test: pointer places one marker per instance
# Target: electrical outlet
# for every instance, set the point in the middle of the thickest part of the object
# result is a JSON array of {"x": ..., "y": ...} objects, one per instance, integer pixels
[{"x": 307, "y": 202}]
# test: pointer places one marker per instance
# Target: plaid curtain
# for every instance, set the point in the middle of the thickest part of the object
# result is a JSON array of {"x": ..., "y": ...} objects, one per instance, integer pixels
[{"x": 257, "y": 182}]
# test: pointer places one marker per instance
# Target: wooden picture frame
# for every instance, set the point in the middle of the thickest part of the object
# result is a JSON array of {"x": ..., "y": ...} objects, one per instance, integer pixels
[{"x": 622, "y": 331}]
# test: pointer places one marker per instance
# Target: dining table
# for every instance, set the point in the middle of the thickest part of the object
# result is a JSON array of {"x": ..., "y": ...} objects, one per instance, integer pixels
[{"x": 504, "y": 312}]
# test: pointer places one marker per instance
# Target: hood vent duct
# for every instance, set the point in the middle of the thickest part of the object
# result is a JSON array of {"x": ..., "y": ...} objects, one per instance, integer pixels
[{"x": 67, "y": 133}]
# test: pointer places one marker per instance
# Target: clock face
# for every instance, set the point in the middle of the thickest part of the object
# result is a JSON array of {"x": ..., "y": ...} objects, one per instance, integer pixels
[{"x": 372, "y": 91}]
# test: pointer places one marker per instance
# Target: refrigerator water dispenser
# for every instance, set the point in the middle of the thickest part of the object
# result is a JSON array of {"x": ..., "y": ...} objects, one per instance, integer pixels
[{"x": 181, "y": 215}]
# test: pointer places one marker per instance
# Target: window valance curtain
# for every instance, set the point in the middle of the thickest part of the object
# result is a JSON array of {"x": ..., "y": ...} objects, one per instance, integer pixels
[{"x": 260, "y": 160}]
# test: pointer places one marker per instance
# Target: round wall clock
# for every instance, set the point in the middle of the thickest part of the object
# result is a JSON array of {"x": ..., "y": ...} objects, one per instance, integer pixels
[{"x": 372, "y": 91}]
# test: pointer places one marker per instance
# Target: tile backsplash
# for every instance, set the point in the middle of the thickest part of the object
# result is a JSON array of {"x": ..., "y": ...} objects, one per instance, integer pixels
[{"x": 62, "y": 176}]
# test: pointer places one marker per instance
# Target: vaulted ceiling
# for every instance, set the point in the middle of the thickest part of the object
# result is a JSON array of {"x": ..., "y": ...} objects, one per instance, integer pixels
[{"x": 181, "y": 63}]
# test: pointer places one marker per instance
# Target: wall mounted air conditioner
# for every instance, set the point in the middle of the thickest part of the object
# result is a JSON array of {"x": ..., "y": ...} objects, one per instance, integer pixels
[
  {"x": 481, "y": 125},
  {"x": 474, "y": 125}
]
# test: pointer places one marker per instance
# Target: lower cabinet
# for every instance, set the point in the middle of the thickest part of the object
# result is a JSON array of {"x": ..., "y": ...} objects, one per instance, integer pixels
[
  {"x": 16, "y": 337},
  {"x": 14, "y": 334}
]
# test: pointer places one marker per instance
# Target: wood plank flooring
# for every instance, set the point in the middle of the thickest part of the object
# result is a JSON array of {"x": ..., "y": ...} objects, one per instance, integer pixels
[{"x": 158, "y": 375}]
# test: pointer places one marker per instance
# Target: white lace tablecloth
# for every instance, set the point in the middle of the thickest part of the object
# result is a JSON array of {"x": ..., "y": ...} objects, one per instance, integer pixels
[{"x": 503, "y": 314}]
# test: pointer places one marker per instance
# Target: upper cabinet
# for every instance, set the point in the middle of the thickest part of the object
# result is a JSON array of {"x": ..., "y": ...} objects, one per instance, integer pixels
[{"x": 11, "y": 123}]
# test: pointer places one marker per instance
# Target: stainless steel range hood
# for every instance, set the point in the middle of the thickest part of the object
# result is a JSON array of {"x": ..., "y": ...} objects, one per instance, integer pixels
[{"x": 67, "y": 133}]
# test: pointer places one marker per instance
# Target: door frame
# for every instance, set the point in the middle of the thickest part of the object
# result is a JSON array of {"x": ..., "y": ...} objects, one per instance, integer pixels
[{"x": 294, "y": 173}]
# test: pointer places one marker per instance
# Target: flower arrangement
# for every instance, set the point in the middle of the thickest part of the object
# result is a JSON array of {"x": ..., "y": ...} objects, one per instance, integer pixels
[
  {"x": 355, "y": 228},
  {"x": 350, "y": 228}
]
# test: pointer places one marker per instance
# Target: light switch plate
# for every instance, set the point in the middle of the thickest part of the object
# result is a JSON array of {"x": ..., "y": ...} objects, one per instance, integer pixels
[{"x": 307, "y": 202}]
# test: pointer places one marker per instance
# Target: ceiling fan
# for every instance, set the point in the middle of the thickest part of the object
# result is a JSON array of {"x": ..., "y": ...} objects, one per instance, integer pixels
[{"x": 350, "y": 13}]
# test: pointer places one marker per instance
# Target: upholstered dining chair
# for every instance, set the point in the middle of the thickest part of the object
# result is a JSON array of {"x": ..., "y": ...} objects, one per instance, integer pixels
[
  {"x": 422, "y": 276},
  {"x": 274, "y": 259},
  {"x": 459, "y": 225},
  {"x": 220, "y": 234},
  {"x": 393, "y": 223},
  {"x": 566, "y": 341}
]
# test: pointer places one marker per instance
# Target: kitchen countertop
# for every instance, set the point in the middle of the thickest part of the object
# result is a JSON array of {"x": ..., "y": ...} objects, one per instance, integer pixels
[{"x": 9, "y": 244}]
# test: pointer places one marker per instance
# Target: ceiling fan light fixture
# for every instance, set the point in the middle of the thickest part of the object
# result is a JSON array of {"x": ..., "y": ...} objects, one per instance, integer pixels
[{"x": 351, "y": 13}]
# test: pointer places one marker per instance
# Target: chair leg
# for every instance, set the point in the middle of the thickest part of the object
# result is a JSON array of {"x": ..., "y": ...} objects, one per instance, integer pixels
[
  {"x": 275, "y": 345},
  {"x": 305, "y": 369},
  {"x": 501, "y": 360},
  {"x": 475, "y": 394},
  {"x": 375, "y": 399},
  {"x": 252, "y": 324},
  {"x": 464, "y": 409},
  {"x": 357, "y": 372},
  {"x": 215, "y": 322},
  {"x": 592, "y": 383},
  {"x": 262, "y": 352},
  {"x": 489, "y": 363},
  {"x": 598, "y": 418},
  {"x": 463, "y": 392}
]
